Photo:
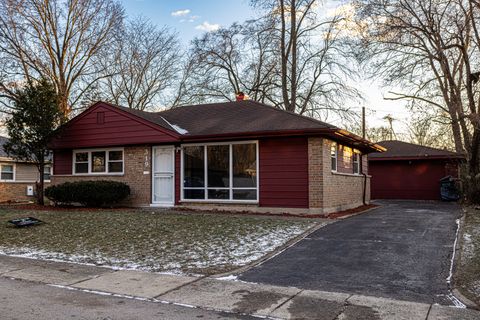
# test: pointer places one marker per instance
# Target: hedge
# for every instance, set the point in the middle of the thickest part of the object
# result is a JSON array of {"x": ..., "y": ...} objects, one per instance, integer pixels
[{"x": 88, "y": 193}]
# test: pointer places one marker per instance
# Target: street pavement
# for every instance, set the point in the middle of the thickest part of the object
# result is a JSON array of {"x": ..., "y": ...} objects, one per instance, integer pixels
[
  {"x": 22, "y": 300},
  {"x": 401, "y": 250},
  {"x": 33, "y": 289}
]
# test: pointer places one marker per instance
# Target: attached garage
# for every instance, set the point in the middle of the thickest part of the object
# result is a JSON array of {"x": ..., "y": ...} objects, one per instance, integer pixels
[{"x": 410, "y": 171}]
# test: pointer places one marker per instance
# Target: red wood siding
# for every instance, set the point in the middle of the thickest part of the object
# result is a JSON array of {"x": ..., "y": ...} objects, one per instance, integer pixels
[
  {"x": 283, "y": 172},
  {"x": 62, "y": 162},
  {"x": 116, "y": 128},
  {"x": 416, "y": 179}
]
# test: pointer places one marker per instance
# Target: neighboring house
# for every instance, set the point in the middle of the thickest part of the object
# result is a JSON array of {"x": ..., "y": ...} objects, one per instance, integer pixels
[
  {"x": 237, "y": 155},
  {"x": 410, "y": 171},
  {"x": 18, "y": 178}
]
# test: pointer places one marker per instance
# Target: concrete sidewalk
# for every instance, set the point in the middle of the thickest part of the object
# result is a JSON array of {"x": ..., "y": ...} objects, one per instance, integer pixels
[{"x": 224, "y": 295}]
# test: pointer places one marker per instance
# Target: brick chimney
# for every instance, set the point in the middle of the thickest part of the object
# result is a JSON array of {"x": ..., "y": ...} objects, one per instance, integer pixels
[{"x": 240, "y": 96}]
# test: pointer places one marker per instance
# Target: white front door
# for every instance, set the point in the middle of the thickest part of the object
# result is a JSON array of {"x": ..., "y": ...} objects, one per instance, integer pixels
[{"x": 163, "y": 184}]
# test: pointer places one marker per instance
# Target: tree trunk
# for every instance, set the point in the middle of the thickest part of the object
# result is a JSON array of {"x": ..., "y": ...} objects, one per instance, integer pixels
[
  {"x": 474, "y": 161},
  {"x": 457, "y": 132},
  {"x": 284, "y": 57},
  {"x": 41, "y": 183},
  {"x": 293, "y": 40}
]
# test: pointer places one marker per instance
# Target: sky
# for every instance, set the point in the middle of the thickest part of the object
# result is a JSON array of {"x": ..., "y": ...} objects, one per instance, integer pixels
[{"x": 191, "y": 18}]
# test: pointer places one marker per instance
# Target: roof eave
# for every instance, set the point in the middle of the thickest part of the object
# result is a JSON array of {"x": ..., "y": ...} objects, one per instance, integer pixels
[
  {"x": 334, "y": 133},
  {"x": 253, "y": 134},
  {"x": 428, "y": 157}
]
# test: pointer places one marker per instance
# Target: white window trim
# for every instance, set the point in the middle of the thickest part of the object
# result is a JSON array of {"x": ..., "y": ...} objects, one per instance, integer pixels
[
  {"x": 90, "y": 173},
  {"x": 14, "y": 172},
  {"x": 359, "y": 158},
  {"x": 336, "y": 156},
  {"x": 205, "y": 187},
  {"x": 51, "y": 172}
]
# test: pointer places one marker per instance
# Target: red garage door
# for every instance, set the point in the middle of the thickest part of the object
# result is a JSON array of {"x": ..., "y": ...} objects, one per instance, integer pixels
[{"x": 418, "y": 180}]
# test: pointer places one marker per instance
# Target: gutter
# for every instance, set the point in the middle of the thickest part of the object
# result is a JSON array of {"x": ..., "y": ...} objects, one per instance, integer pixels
[{"x": 339, "y": 134}]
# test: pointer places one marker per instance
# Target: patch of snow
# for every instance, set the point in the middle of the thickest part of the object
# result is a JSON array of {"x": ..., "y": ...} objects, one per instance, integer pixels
[
  {"x": 468, "y": 248},
  {"x": 452, "y": 261},
  {"x": 228, "y": 278},
  {"x": 223, "y": 251},
  {"x": 457, "y": 303}
]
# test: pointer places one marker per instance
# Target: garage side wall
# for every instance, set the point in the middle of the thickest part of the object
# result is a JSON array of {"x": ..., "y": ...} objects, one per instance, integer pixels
[
  {"x": 137, "y": 174},
  {"x": 333, "y": 191}
]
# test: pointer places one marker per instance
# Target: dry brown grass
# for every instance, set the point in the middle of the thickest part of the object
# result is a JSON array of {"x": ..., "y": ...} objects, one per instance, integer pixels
[{"x": 162, "y": 241}]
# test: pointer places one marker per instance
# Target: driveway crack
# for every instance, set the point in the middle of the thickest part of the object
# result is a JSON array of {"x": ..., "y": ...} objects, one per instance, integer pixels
[{"x": 285, "y": 302}]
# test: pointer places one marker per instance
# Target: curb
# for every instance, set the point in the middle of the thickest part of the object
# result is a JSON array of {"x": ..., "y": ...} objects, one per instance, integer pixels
[
  {"x": 275, "y": 252},
  {"x": 455, "y": 291}
]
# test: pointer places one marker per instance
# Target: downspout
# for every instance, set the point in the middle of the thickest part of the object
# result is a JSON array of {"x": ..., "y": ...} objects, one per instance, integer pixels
[{"x": 364, "y": 181}]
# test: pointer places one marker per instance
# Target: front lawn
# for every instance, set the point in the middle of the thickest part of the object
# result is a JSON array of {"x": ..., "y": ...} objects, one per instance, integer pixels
[
  {"x": 161, "y": 241},
  {"x": 467, "y": 276}
]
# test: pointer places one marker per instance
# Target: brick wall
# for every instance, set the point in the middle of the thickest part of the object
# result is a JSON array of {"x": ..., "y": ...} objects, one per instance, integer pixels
[
  {"x": 333, "y": 191},
  {"x": 16, "y": 191},
  {"x": 137, "y": 174},
  {"x": 315, "y": 172}
]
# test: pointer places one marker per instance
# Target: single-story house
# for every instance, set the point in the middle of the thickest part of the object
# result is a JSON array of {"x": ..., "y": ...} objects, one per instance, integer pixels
[
  {"x": 240, "y": 155},
  {"x": 18, "y": 178},
  {"x": 410, "y": 171}
]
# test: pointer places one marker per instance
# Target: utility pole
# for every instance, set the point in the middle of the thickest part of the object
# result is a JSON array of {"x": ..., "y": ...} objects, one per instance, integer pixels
[{"x": 364, "y": 129}]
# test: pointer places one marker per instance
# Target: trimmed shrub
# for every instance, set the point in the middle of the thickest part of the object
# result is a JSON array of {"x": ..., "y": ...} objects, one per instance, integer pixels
[{"x": 88, "y": 193}]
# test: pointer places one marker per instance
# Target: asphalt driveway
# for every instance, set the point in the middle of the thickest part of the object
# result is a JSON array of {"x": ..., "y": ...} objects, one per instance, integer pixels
[{"x": 401, "y": 251}]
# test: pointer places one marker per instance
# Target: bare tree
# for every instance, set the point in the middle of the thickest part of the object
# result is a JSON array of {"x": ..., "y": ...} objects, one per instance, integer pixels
[
  {"x": 300, "y": 66},
  {"x": 57, "y": 40},
  {"x": 313, "y": 63},
  {"x": 144, "y": 65},
  {"x": 430, "y": 48},
  {"x": 233, "y": 59}
]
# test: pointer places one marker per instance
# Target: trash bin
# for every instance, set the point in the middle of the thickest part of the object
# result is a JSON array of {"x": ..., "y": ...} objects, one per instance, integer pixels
[{"x": 448, "y": 189}]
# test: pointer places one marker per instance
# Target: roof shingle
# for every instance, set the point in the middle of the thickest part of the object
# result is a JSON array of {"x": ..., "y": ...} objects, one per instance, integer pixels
[
  {"x": 400, "y": 149},
  {"x": 229, "y": 117}
]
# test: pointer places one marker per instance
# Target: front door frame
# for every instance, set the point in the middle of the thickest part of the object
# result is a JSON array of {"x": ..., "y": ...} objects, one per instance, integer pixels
[{"x": 163, "y": 204}]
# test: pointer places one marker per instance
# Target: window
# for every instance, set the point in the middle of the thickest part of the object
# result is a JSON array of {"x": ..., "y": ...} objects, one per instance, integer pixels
[
  {"x": 194, "y": 172},
  {"x": 81, "y": 162},
  {"x": 244, "y": 171},
  {"x": 347, "y": 158},
  {"x": 47, "y": 172},
  {"x": 98, "y": 162},
  {"x": 333, "y": 156},
  {"x": 115, "y": 161},
  {"x": 7, "y": 172},
  {"x": 356, "y": 162},
  {"x": 222, "y": 172}
]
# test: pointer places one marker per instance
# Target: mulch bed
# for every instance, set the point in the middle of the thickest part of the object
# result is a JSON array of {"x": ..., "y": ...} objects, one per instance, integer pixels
[
  {"x": 36, "y": 207},
  {"x": 334, "y": 215},
  {"x": 349, "y": 212}
]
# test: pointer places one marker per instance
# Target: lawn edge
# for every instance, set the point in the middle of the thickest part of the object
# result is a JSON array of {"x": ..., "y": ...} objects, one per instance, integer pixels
[
  {"x": 456, "y": 290},
  {"x": 276, "y": 251}
]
